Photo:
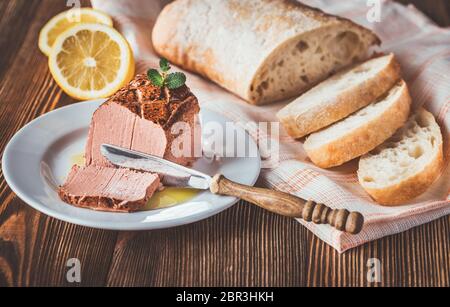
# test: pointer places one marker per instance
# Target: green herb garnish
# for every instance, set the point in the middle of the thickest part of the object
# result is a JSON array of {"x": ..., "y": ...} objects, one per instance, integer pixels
[
  {"x": 164, "y": 78},
  {"x": 164, "y": 65},
  {"x": 155, "y": 77},
  {"x": 175, "y": 80}
]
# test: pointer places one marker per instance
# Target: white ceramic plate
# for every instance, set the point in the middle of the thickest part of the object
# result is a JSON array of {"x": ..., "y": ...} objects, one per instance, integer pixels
[{"x": 38, "y": 158}]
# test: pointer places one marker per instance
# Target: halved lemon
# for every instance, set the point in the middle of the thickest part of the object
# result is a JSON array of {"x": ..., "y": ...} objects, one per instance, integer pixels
[
  {"x": 91, "y": 61},
  {"x": 63, "y": 21}
]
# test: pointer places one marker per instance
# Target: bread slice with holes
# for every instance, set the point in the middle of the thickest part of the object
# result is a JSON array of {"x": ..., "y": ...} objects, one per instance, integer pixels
[
  {"x": 362, "y": 131},
  {"x": 407, "y": 164},
  {"x": 339, "y": 96},
  {"x": 263, "y": 51}
]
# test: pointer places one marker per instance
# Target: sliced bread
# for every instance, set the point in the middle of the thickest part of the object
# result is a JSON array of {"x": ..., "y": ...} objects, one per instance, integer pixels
[
  {"x": 263, "y": 51},
  {"x": 407, "y": 164},
  {"x": 339, "y": 96},
  {"x": 362, "y": 131}
]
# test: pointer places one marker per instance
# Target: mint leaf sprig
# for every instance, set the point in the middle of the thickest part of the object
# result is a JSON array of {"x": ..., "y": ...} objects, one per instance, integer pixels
[{"x": 164, "y": 78}]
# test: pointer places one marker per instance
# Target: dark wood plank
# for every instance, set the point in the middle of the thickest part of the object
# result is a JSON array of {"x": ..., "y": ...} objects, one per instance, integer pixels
[
  {"x": 243, "y": 246},
  {"x": 34, "y": 248},
  {"x": 418, "y": 257},
  {"x": 246, "y": 246},
  {"x": 15, "y": 18}
]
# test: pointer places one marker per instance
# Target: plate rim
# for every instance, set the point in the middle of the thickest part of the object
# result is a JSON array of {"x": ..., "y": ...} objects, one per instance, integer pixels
[{"x": 126, "y": 226}]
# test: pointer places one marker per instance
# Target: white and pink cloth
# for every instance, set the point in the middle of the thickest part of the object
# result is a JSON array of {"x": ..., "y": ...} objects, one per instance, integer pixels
[{"x": 423, "y": 50}]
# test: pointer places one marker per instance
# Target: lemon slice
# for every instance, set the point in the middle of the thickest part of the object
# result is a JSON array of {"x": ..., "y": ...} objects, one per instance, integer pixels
[
  {"x": 63, "y": 21},
  {"x": 91, "y": 61}
]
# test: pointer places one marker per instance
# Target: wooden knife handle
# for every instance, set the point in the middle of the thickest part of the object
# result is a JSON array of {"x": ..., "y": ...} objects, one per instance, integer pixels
[{"x": 290, "y": 205}]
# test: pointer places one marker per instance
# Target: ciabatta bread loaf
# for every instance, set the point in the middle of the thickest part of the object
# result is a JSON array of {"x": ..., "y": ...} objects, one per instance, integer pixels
[
  {"x": 339, "y": 96},
  {"x": 360, "y": 132},
  {"x": 263, "y": 50},
  {"x": 407, "y": 164}
]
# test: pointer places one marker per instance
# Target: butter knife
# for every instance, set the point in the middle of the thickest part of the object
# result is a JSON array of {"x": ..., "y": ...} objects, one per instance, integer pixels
[{"x": 285, "y": 204}]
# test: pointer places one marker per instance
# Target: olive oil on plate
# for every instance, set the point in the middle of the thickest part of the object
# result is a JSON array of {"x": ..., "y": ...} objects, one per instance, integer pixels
[{"x": 170, "y": 197}]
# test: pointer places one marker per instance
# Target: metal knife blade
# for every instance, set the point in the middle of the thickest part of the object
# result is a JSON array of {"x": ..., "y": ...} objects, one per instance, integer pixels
[{"x": 172, "y": 174}]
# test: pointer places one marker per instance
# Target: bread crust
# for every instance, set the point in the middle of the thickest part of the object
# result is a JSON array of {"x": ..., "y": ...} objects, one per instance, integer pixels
[
  {"x": 414, "y": 185},
  {"x": 411, "y": 188},
  {"x": 365, "y": 138},
  {"x": 341, "y": 105},
  {"x": 191, "y": 34}
]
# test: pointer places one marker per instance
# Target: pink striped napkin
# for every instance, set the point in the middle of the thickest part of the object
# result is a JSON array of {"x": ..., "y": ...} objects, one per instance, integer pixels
[{"x": 424, "y": 52}]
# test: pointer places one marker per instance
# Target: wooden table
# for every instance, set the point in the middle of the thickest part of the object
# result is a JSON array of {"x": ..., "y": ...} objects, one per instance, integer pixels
[{"x": 243, "y": 246}]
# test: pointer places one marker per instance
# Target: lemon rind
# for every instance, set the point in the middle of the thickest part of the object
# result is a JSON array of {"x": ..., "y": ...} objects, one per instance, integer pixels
[{"x": 42, "y": 43}]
